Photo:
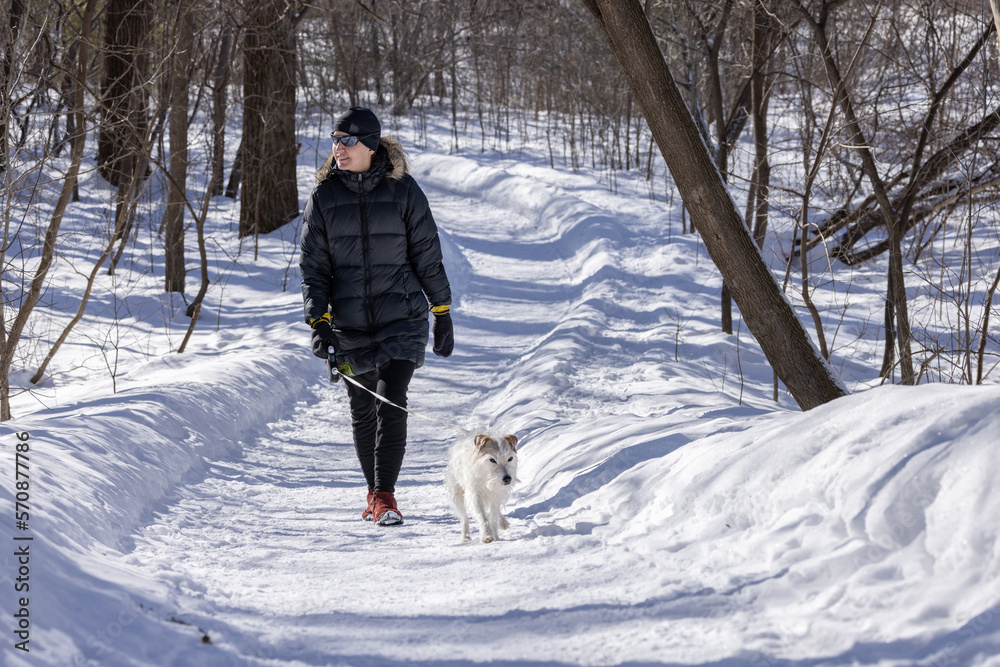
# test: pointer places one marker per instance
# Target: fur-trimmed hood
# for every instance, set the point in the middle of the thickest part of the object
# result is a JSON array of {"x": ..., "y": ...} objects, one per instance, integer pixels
[{"x": 388, "y": 149}]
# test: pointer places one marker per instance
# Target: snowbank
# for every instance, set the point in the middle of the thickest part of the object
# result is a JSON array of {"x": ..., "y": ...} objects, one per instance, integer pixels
[{"x": 101, "y": 467}]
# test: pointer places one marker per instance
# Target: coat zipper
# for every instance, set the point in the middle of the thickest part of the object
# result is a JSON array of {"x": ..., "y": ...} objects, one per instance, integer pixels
[{"x": 364, "y": 254}]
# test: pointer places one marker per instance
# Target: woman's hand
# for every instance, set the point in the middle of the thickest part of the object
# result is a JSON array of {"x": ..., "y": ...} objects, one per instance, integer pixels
[
  {"x": 322, "y": 338},
  {"x": 444, "y": 335}
]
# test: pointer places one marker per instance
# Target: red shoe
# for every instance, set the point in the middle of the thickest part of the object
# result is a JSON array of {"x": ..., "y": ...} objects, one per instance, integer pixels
[
  {"x": 367, "y": 514},
  {"x": 384, "y": 510}
]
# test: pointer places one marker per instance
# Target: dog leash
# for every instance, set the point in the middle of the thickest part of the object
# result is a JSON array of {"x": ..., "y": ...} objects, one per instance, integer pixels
[{"x": 331, "y": 371}]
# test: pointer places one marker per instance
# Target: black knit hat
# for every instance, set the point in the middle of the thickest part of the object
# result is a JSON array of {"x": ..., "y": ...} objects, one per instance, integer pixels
[{"x": 362, "y": 123}]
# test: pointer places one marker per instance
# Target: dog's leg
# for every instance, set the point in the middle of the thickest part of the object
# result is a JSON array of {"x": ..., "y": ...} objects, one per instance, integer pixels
[
  {"x": 485, "y": 520},
  {"x": 504, "y": 525},
  {"x": 458, "y": 502},
  {"x": 496, "y": 519}
]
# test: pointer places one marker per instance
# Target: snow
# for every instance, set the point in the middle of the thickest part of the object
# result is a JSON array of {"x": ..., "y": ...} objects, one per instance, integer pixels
[{"x": 205, "y": 508}]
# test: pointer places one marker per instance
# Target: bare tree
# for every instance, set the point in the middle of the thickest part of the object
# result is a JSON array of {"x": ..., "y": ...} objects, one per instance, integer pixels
[
  {"x": 762, "y": 42},
  {"x": 996, "y": 17},
  {"x": 768, "y": 315},
  {"x": 124, "y": 117},
  {"x": 712, "y": 37},
  {"x": 410, "y": 64},
  {"x": 270, "y": 197},
  {"x": 11, "y": 30},
  {"x": 924, "y": 192},
  {"x": 353, "y": 50},
  {"x": 173, "y": 214},
  {"x": 194, "y": 310},
  {"x": 125, "y": 210},
  {"x": 220, "y": 82},
  {"x": 985, "y": 326},
  {"x": 896, "y": 311}
]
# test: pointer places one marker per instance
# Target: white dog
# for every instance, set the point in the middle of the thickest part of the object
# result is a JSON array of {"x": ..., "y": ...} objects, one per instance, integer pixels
[{"x": 482, "y": 470}]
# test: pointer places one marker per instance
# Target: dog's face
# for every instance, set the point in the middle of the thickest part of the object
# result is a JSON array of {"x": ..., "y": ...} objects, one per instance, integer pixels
[{"x": 498, "y": 459}]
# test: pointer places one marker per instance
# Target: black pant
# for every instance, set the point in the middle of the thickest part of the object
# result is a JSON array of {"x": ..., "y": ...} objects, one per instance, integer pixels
[{"x": 379, "y": 428}]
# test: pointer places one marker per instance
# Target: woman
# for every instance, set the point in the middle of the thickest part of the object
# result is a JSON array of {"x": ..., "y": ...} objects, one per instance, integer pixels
[{"x": 371, "y": 270}]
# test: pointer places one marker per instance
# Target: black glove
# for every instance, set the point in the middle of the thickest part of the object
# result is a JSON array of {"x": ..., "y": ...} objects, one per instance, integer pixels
[
  {"x": 444, "y": 335},
  {"x": 322, "y": 338}
]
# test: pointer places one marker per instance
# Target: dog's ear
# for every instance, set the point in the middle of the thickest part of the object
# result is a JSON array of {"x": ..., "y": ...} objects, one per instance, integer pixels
[
  {"x": 482, "y": 441},
  {"x": 511, "y": 441}
]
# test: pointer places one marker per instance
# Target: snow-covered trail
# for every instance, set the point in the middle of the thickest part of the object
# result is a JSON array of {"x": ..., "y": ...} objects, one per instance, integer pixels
[{"x": 268, "y": 556}]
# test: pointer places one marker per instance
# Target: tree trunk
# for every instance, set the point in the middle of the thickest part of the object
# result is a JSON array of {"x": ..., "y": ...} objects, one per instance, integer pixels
[
  {"x": 124, "y": 118},
  {"x": 985, "y": 329},
  {"x": 122, "y": 148},
  {"x": 11, "y": 30},
  {"x": 722, "y": 146},
  {"x": 996, "y": 18},
  {"x": 194, "y": 310},
  {"x": 759, "y": 100},
  {"x": 269, "y": 197},
  {"x": 896, "y": 298},
  {"x": 236, "y": 175},
  {"x": 768, "y": 314},
  {"x": 219, "y": 106},
  {"x": 173, "y": 215}
]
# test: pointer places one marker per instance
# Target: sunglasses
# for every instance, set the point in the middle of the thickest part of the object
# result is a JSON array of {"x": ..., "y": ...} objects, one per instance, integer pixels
[{"x": 349, "y": 140}]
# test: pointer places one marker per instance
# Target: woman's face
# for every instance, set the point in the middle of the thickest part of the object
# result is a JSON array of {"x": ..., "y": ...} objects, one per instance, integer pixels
[{"x": 356, "y": 158}]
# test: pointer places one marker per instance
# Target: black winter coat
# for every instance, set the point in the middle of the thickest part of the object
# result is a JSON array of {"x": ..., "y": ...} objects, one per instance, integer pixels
[{"x": 371, "y": 257}]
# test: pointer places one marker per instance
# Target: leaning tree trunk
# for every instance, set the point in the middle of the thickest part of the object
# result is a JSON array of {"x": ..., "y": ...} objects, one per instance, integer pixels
[
  {"x": 768, "y": 314},
  {"x": 173, "y": 215},
  {"x": 270, "y": 197}
]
